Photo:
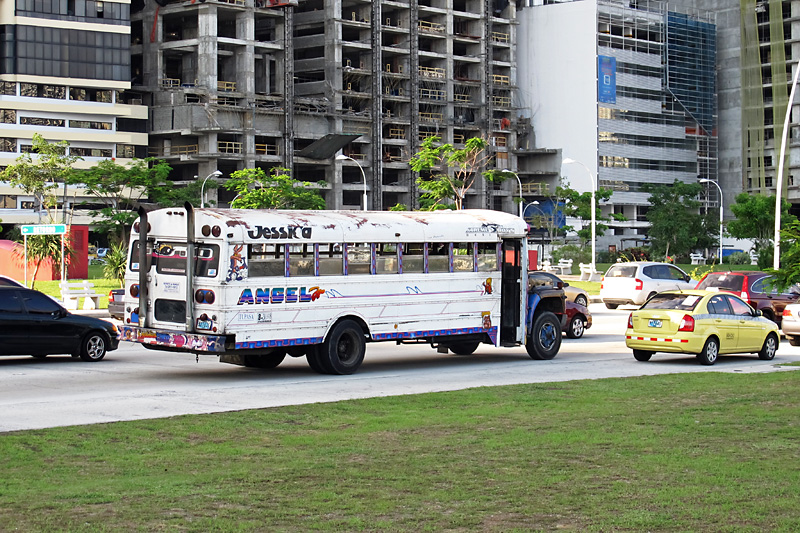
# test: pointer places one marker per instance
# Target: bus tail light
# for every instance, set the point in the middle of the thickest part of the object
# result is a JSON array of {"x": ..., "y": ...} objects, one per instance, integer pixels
[
  {"x": 203, "y": 296},
  {"x": 639, "y": 284},
  {"x": 134, "y": 291},
  {"x": 687, "y": 323}
]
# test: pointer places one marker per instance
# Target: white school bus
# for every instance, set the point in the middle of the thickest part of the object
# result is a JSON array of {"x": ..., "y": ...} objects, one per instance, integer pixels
[{"x": 254, "y": 286}]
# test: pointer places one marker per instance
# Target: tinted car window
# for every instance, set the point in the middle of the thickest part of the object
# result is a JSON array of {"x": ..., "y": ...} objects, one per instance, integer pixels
[
  {"x": 682, "y": 302},
  {"x": 622, "y": 271},
  {"x": 39, "y": 303},
  {"x": 729, "y": 282},
  {"x": 675, "y": 273},
  {"x": 10, "y": 302},
  {"x": 718, "y": 305},
  {"x": 764, "y": 285},
  {"x": 739, "y": 307},
  {"x": 651, "y": 272}
]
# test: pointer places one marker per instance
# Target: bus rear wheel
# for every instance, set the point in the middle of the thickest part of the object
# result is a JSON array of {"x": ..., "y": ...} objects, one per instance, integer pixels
[
  {"x": 265, "y": 361},
  {"x": 544, "y": 339},
  {"x": 343, "y": 350},
  {"x": 464, "y": 348}
]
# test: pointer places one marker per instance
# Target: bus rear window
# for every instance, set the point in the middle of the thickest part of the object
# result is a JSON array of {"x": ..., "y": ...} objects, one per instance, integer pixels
[{"x": 170, "y": 258}]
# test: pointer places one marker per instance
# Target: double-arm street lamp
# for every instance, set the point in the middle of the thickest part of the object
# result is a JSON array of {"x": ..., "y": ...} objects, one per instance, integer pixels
[
  {"x": 342, "y": 157},
  {"x": 706, "y": 180},
  {"x": 569, "y": 161},
  {"x": 776, "y": 252},
  {"x": 214, "y": 174}
]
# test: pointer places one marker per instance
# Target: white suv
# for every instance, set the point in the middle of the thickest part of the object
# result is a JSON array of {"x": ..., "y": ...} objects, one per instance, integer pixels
[{"x": 635, "y": 282}]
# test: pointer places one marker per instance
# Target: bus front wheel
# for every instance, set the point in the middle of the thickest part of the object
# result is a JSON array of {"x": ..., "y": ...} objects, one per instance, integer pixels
[
  {"x": 343, "y": 350},
  {"x": 544, "y": 340}
]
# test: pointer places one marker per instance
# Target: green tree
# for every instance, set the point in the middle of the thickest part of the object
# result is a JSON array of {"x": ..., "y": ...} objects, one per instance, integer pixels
[
  {"x": 120, "y": 189},
  {"x": 755, "y": 219},
  {"x": 39, "y": 172},
  {"x": 447, "y": 172},
  {"x": 676, "y": 227},
  {"x": 257, "y": 190},
  {"x": 116, "y": 262},
  {"x": 579, "y": 205},
  {"x": 41, "y": 247}
]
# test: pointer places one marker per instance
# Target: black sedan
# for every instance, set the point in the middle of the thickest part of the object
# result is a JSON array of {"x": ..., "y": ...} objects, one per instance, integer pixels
[{"x": 32, "y": 323}]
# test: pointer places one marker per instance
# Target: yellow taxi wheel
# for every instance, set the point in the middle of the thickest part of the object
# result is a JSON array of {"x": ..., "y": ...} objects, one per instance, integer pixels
[
  {"x": 710, "y": 352},
  {"x": 770, "y": 347},
  {"x": 642, "y": 355}
]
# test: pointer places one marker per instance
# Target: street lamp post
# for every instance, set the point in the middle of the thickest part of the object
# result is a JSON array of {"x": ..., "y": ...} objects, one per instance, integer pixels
[
  {"x": 519, "y": 182},
  {"x": 342, "y": 157},
  {"x": 776, "y": 252},
  {"x": 214, "y": 174},
  {"x": 569, "y": 161},
  {"x": 706, "y": 180}
]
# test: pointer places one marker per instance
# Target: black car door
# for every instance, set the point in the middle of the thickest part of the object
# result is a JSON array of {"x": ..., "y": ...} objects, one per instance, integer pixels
[
  {"x": 15, "y": 326},
  {"x": 50, "y": 332}
]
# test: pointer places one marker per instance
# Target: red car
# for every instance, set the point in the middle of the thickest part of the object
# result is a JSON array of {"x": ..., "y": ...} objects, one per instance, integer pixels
[
  {"x": 576, "y": 320},
  {"x": 755, "y": 288}
]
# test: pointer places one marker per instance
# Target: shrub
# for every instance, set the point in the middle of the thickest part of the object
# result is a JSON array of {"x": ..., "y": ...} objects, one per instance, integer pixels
[
  {"x": 635, "y": 254},
  {"x": 765, "y": 258},
  {"x": 738, "y": 258},
  {"x": 116, "y": 261},
  {"x": 574, "y": 252}
]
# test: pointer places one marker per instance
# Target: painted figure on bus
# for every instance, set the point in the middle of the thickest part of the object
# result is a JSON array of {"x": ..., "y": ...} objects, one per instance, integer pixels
[
  {"x": 238, "y": 267},
  {"x": 487, "y": 286}
]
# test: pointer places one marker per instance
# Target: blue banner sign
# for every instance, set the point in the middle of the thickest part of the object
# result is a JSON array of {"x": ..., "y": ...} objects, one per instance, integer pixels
[{"x": 607, "y": 79}]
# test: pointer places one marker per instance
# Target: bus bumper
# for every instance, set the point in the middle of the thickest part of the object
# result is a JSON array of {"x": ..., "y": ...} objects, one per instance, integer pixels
[{"x": 180, "y": 340}]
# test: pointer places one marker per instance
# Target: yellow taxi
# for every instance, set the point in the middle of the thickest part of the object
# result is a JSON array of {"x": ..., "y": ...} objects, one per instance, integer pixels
[{"x": 705, "y": 323}]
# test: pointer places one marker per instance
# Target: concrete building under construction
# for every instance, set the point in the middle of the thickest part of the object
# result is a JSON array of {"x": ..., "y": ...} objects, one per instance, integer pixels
[{"x": 235, "y": 84}]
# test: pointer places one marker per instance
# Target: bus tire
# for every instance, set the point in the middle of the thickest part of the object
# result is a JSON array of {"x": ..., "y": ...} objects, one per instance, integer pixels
[
  {"x": 343, "y": 350},
  {"x": 313, "y": 359},
  {"x": 544, "y": 340},
  {"x": 265, "y": 361},
  {"x": 464, "y": 348}
]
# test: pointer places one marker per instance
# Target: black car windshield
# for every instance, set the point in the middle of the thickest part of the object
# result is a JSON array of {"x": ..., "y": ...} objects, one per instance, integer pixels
[
  {"x": 681, "y": 302},
  {"x": 728, "y": 282}
]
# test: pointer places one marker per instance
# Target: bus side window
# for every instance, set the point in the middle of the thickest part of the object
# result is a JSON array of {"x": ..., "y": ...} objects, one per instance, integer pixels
[
  {"x": 463, "y": 260},
  {"x": 413, "y": 259},
  {"x": 330, "y": 259},
  {"x": 439, "y": 257},
  {"x": 487, "y": 257},
  {"x": 359, "y": 258},
  {"x": 266, "y": 260},
  {"x": 301, "y": 259},
  {"x": 386, "y": 258}
]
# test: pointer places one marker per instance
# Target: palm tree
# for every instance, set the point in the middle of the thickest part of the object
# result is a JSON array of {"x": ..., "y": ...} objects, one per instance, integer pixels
[{"x": 41, "y": 247}]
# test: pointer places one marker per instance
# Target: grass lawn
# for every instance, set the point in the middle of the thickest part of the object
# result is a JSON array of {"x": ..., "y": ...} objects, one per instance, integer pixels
[{"x": 690, "y": 452}]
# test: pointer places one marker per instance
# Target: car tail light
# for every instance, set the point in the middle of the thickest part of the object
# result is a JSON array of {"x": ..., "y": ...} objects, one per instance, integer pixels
[
  {"x": 744, "y": 296},
  {"x": 687, "y": 323},
  {"x": 134, "y": 291},
  {"x": 787, "y": 312},
  {"x": 639, "y": 284},
  {"x": 630, "y": 321},
  {"x": 111, "y": 295}
]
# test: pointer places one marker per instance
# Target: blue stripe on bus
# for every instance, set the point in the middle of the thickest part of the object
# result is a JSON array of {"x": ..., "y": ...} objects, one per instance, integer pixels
[{"x": 278, "y": 342}]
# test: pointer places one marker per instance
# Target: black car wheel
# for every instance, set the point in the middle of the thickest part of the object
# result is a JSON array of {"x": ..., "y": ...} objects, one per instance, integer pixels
[
  {"x": 93, "y": 346},
  {"x": 767, "y": 352},
  {"x": 581, "y": 300},
  {"x": 642, "y": 355},
  {"x": 710, "y": 352},
  {"x": 575, "y": 329}
]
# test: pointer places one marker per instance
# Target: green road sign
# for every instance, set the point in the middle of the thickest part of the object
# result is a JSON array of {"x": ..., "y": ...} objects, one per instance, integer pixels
[{"x": 45, "y": 229}]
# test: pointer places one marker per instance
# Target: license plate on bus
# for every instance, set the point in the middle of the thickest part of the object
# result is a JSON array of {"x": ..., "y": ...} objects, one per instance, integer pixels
[
  {"x": 203, "y": 324},
  {"x": 654, "y": 323}
]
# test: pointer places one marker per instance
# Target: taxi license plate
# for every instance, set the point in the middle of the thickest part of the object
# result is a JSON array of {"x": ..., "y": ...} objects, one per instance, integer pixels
[
  {"x": 654, "y": 323},
  {"x": 203, "y": 324}
]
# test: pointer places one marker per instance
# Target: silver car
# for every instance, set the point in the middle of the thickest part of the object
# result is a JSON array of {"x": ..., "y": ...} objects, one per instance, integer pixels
[{"x": 633, "y": 283}]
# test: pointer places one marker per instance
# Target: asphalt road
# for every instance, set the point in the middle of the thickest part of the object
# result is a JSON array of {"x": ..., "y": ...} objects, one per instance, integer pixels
[{"x": 133, "y": 383}]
